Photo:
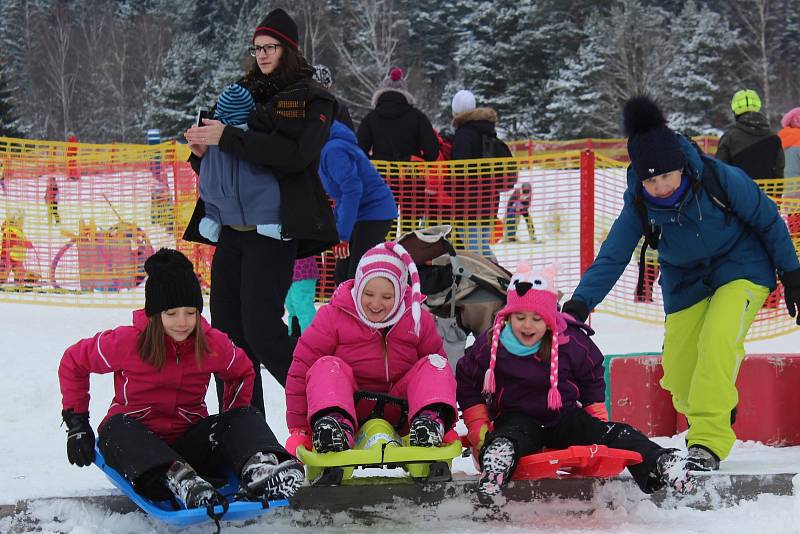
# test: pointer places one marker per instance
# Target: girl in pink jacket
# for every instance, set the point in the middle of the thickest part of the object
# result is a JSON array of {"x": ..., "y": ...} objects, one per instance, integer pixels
[
  {"x": 157, "y": 432},
  {"x": 372, "y": 336}
]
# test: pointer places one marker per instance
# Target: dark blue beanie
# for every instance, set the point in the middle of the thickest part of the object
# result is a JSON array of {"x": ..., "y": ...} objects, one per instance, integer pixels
[{"x": 653, "y": 148}]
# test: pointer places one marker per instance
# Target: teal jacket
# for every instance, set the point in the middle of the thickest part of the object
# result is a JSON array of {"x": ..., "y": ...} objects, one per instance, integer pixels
[{"x": 699, "y": 249}]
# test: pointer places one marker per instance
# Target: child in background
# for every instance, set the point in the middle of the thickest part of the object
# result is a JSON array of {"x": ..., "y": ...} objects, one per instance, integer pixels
[
  {"x": 217, "y": 182},
  {"x": 157, "y": 432},
  {"x": 543, "y": 378},
  {"x": 372, "y": 336},
  {"x": 300, "y": 299}
]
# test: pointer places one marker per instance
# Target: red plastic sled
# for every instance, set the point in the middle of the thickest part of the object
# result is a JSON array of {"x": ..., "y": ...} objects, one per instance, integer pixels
[{"x": 577, "y": 461}]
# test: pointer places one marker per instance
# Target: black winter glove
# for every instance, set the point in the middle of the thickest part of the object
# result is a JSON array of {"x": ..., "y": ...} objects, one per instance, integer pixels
[
  {"x": 791, "y": 293},
  {"x": 80, "y": 438},
  {"x": 577, "y": 309}
]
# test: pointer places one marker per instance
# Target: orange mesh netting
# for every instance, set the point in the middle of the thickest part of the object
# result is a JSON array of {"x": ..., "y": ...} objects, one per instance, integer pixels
[{"x": 78, "y": 220}]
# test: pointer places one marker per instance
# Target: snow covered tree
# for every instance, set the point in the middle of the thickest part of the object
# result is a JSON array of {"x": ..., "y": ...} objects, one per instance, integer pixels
[
  {"x": 366, "y": 41},
  {"x": 8, "y": 120},
  {"x": 759, "y": 23},
  {"x": 697, "y": 86},
  {"x": 623, "y": 54}
]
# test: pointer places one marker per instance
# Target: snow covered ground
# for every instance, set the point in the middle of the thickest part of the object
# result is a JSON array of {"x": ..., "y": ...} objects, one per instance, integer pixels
[{"x": 33, "y": 461}]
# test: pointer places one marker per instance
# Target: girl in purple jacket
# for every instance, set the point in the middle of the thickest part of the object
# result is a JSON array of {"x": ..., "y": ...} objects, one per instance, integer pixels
[{"x": 536, "y": 380}]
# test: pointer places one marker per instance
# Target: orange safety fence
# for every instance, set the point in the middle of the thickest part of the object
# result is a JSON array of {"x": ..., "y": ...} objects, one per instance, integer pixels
[{"x": 78, "y": 220}]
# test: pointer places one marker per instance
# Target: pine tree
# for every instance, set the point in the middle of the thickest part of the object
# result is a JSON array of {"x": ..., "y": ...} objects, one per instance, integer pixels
[
  {"x": 623, "y": 54},
  {"x": 8, "y": 120},
  {"x": 696, "y": 89}
]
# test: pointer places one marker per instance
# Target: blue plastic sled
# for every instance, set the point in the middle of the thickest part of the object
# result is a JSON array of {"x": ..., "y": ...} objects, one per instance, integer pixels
[{"x": 164, "y": 511}]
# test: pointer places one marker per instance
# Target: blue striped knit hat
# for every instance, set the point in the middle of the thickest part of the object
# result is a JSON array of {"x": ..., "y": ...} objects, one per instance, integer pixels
[{"x": 234, "y": 105}]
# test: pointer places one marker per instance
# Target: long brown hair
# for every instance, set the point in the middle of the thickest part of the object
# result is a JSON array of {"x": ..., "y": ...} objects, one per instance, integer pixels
[
  {"x": 291, "y": 68},
  {"x": 152, "y": 348}
]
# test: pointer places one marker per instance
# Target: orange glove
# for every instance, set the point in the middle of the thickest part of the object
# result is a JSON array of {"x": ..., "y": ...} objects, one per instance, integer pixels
[
  {"x": 298, "y": 437},
  {"x": 341, "y": 250},
  {"x": 477, "y": 420},
  {"x": 597, "y": 409}
]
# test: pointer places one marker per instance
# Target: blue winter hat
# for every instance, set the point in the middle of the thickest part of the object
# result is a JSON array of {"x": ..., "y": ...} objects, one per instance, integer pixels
[
  {"x": 653, "y": 147},
  {"x": 234, "y": 105}
]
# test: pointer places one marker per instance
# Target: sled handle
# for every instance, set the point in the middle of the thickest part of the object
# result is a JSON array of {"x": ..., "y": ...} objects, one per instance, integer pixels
[{"x": 381, "y": 400}]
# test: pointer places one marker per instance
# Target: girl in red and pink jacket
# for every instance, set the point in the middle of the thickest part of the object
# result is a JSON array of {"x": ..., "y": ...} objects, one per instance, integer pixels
[
  {"x": 372, "y": 336},
  {"x": 157, "y": 432}
]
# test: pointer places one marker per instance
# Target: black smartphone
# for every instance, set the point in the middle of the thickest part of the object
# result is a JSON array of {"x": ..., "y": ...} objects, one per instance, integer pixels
[{"x": 203, "y": 113}]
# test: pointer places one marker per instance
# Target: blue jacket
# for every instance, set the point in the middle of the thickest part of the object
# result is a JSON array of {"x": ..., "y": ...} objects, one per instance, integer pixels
[
  {"x": 523, "y": 382},
  {"x": 351, "y": 180},
  {"x": 237, "y": 192},
  {"x": 699, "y": 250}
]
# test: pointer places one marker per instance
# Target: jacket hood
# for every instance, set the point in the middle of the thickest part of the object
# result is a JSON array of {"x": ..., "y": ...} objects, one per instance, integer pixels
[
  {"x": 390, "y": 103},
  {"x": 790, "y": 137},
  {"x": 343, "y": 298},
  {"x": 753, "y": 122},
  {"x": 340, "y": 131},
  {"x": 477, "y": 114},
  {"x": 386, "y": 94}
]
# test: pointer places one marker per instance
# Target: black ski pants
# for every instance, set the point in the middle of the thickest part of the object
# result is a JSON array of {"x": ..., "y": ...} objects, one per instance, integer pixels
[
  {"x": 250, "y": 277},
  {"x": 210, "y": 446},
  {"x": 576, "y": 427}
]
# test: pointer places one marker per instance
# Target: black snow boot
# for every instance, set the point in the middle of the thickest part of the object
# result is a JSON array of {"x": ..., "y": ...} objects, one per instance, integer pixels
[
  {"x": 332, "y": 433},
  {"x": 497, "y": 461},
  {"x": 701, "y": 458},
  {"x": 263, "y": 475},
  {"x": 188, "y": 487},
  {"x": 426, "y": 429}
]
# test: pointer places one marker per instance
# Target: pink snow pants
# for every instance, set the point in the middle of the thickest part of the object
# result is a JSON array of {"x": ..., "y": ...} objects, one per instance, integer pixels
[{"x": 330, "y": 384}]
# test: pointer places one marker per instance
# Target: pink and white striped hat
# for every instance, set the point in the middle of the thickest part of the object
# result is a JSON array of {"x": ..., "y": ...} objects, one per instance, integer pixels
[
  {"x": 393, "y": 262},
  {"x": 531, "y": 291}
]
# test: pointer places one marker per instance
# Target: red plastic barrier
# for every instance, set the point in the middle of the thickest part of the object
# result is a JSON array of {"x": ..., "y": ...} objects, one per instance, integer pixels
[
  {"x": 769, "y": 394},
  {"x": 577, "y": 461},
  {"x": 637, "y": 397}
]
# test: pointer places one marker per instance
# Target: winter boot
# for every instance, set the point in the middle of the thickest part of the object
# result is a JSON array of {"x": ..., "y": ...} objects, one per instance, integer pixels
[
  {"x": 426, "y": 429},
  {"x": 332, "y": 433},
  {"x": 701, "y": 458},
  {"x": 672, "y": 471},
  {"x": 497, "y": 460},
  {"x": 263, "y": 475},
  {"x": 188, "y": 487}
]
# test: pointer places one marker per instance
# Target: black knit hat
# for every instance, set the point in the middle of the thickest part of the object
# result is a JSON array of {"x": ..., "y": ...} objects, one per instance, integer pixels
[
  {"x": 171, "y": 283},
  {"x": 653, "y": 148},
  {"x": 281, "y": 26}
]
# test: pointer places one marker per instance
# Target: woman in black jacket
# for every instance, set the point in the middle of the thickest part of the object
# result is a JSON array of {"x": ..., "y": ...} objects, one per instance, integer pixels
[{"x": 252, "y": 267}]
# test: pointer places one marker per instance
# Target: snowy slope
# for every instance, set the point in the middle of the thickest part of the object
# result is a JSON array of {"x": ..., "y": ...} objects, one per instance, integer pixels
[{"x": 33, "y": 462}]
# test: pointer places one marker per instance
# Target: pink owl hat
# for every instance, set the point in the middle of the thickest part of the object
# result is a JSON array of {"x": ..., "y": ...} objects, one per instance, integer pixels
[
  {"x": 393, "y": 262},
  {"x": 531, "y": 291}
]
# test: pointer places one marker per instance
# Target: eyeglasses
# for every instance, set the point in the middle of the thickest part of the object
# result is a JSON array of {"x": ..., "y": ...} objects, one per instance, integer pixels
[{"x": 269, "y": 49}]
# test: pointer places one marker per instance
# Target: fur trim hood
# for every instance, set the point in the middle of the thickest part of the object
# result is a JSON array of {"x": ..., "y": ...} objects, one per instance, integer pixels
[{"x": 477, "y": 114}]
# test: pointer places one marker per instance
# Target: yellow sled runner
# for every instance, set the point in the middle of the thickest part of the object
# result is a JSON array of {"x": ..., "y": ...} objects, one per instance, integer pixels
[{"x": 378, "y": 444}]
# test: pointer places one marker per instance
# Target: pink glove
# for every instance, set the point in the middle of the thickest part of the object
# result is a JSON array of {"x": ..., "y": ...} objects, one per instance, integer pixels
[
  {"x": 597, "y": 409},
  {"x": 477, "y": 420},
  {"x": 341, "y": 250},
  {"x": 298, "y": 437}
]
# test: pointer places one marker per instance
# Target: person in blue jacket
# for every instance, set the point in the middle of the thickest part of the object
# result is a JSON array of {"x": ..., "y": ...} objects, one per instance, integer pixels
[
  {"x": 716, "y": 270},
  {"x": 365, "y": 208}
]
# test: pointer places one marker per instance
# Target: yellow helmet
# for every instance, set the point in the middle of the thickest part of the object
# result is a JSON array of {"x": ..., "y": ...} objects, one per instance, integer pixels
[{"x": 744, "y": 101}]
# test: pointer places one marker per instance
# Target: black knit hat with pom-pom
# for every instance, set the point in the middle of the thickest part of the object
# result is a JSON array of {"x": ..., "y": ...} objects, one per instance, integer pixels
[
  {"x": 653, "y": 148},
  {"x": 171, "y": 283}
]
